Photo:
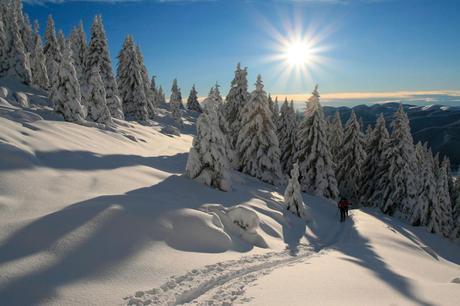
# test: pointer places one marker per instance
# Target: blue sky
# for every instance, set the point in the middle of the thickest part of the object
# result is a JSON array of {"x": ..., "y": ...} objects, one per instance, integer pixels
[{"x": 384, "y": 46}]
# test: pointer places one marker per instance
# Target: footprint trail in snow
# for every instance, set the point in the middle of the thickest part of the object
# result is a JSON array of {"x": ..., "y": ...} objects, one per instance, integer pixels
[{"x": 218, "y": 284}]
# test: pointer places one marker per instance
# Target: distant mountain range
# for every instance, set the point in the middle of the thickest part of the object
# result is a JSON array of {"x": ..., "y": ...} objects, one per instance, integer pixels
[{"x": 436, "y": 124}]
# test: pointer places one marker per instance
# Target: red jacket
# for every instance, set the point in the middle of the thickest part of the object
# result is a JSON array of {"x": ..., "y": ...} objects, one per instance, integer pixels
[{"x": 344, "y": 204}]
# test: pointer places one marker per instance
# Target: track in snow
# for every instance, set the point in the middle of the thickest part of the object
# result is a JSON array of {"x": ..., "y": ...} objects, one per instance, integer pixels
[
  {"x": 229, "y": 277},
  {"x": 224, "y": 283}
]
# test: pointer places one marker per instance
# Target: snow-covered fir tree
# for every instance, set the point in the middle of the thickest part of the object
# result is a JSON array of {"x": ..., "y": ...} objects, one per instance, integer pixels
[
  {"x": 293, "y": 196},
  {"x": 61, "y": 40},
  {"x": 175, "y": 102},
  {"x": 441, "y": 218},
  {"x": 51, "y": 51},
  {"x": 375, "y": 164},
  {"x": 335, "y": 131},
  {"x": 19, "y": 65},
  {"x": 286, "y": 132},
  {"x": 131, "y": 83},
  {"x": 4, "y": 48},
  {"x": 27, "y": 34},
  {"x": 400, "y": 195},
  {"x": 79, "y": 46},
  {"x": 98, "y": 55},
  {"x": 257, "y": 146},
  {"x": 276, "y": 111},
  {"x": 96, "y": 98},
  {"x": 38, "y": 62},
  {"x": 456, "y": 208},
  {"x": 207, "y": 161},
  {"x": 149, "y": 94},
  {"x": 192, "y": 101},
  {"x": 351, "y": 158},
  {"x": 161, "y": 97},
  {"x": 237, "y": 97},
  {"x": 65, "y": 93},
  {"x": 313, "y": 153},
  {"x": 426, "y": 186}
]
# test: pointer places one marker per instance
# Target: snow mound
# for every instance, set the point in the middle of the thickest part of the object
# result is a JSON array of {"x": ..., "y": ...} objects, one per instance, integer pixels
[
  {"x": 456, "y": 280},
  {"x": 239, "y": 220}
]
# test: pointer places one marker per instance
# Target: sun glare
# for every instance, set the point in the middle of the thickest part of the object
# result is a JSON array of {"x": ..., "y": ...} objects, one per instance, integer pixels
[{"x": 298, "y": 53}]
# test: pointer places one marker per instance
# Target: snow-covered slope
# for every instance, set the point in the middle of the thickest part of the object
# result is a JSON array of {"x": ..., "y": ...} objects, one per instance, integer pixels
[{"x": 91, "y": 216}]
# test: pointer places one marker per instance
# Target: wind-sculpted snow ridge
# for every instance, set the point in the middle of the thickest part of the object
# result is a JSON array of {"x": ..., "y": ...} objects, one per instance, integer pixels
[{"x": 228, "y": 279}]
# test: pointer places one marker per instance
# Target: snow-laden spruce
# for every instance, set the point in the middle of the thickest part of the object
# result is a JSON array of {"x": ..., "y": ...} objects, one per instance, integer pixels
[
  {"x": 375, "y": 165},
  {"x": 3, "y": 48},
  {"x": 293, "y": 196},
  {"x": 426, "y": 186},
  {"x": 335, "y": 131},
  {"x": 61, "y": 40},
  {"x": 96, "y": 101},
  {"x": 192, "y": 101},
  {"x": 131, "y": 83},
  {"x": 77, "y": 39},
  {"x": 98, "y": 55},
  {"x": 27, "y": 34},
  {"x": 286, "y": 132},
  {"x": 65, "y": 93},
  {"x": 208, "y": 162},
  {"x": 38, "y": 62},
  {"x": 257, "y": 147},
  {"x": 51, "y": 51},
  {"x": 175, "y": 103},
  {"x": 456, "y": 208},
  {"x": 313, "y": 153},
  {"x": 441, "y": 218},
  {"x": 400, "y": 194},
  {"x": 351, "y": 158},
  {"x": 149, "y": 94},
  {"x": 236, "y": 98},
  {"x": 19, "y": 65}
]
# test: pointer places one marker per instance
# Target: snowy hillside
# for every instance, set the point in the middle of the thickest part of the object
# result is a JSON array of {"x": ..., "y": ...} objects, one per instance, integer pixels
[{"x": 101, "y": 217}]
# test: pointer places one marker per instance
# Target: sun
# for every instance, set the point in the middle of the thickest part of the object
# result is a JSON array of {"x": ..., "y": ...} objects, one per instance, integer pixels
[{"x": 298, "y": 53}]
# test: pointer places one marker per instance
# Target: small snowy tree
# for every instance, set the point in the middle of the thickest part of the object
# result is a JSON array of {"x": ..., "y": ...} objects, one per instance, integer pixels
[
  {"x": 65, "y": 94},
  {"x": 51, "y": 51},
  {"x": 441, "y": 219},
  {"x": 131, "y": 83},
  {"x": 276, "y": 111},
  {"x": 286, "y": 132},
  {"x": 149, "y": 94},
  {"x": 351, "y": 158},
  {"x": 98, "y": 55},
  {"x": 375, "y": 165},
  {"x": 38, "y": 62},
  {"x": 257, "y": 145},
  {"x": 97, "y": 104},
  {"x": 293, "y": 196},
  {"x": 400, "y": 194},
  {"x": 175, "y": 102},
  {"x": 237, "y": 97},
  {"x": 426, "y": 187},
  {"x": 336, "y": 136},
  {"x": 207, "y": 162},
  {"x": 313, "y": 153},
  {"x": 78, "y": 45},
  {"x": 192, "y": 101}
]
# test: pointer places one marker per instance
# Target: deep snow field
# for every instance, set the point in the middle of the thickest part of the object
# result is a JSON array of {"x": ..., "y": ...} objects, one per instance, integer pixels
[{"x": 106, "y": 217}]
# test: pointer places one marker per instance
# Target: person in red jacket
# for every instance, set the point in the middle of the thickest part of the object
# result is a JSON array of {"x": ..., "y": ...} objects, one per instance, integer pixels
[{"x": 343, "y": 207}]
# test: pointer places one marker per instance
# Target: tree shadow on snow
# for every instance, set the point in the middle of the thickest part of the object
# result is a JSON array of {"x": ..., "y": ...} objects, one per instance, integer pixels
[
  {"x": 432, "y": 244},
  {"x": 125, "y": 225},
  {"x": 359, "y": 248},
  {"x": 90, "y": 161}
]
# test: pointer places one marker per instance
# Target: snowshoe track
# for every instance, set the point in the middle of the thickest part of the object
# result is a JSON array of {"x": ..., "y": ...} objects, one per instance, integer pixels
[{"x": 232, "y": 275}]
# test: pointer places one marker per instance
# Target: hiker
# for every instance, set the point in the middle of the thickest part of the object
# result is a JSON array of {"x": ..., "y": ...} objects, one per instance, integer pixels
[{"x": 343, "y": 207}]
